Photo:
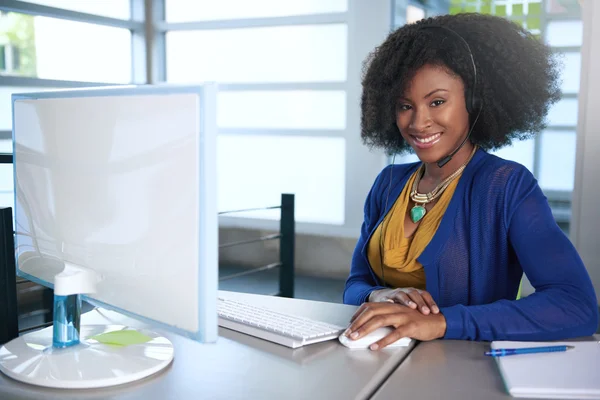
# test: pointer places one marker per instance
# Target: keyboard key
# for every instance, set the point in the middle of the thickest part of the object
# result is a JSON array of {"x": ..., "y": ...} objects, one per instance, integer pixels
[{"x": 289, "y": 330}]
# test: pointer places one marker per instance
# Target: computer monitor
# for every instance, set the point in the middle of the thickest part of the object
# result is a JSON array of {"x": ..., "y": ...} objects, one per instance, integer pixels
[{"x": 115, "y": 199}]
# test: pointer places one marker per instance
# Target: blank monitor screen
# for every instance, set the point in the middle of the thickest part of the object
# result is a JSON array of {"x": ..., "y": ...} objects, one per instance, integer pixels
[{"x": 122, "y": 181}]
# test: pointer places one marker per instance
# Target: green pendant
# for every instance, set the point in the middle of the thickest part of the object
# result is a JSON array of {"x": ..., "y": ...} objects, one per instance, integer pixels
[{"x": 417, "y": 213}]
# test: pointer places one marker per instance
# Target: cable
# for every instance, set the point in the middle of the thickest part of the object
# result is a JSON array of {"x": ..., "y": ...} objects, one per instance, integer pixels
[{"x": 381, "y": 236}]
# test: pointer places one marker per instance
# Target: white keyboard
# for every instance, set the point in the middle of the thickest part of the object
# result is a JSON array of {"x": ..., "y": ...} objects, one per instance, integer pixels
[{"x": 286, "y": 329}]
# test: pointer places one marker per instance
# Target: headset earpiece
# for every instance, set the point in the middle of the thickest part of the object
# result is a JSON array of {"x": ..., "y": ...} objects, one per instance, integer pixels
[{"x": 473, "y": 103}]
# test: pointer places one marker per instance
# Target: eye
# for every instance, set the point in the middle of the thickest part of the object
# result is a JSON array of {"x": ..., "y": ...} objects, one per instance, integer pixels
[
  {"x": 437, "y": 103},
  {"x": 403, "y": 107}
]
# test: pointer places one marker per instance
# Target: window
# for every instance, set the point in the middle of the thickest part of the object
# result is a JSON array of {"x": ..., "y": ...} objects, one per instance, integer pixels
[
  {"x": 60, "y": 50},
  {"x": 107, "y": 8},
  {"x": 52, "y": 48},
  {"x": 557, "y": 155},
  {"x": 308, "y": 53},
  {"x": 571, "y": 72},
  {"x": 18, "y": 44},
  {"x": 282, "y": 102},
  {"x": 285, "y": 109},
  {"x": 414, "y": 14},
  {"x": 256, "y": 169},
  {"x": 564, "y": 33},
  {"x": 210, "y": 10}
]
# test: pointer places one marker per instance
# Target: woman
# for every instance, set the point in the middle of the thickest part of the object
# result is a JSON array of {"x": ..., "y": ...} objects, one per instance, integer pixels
[{"x": 445, "y": 241}]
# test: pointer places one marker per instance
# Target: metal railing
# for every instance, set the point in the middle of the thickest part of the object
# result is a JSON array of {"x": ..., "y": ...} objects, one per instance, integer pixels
[
  {"x": 10, "y": 290},
  {"x": 9, "y": 323},
  {"x": 21, "y": 301},
  {"x": 12, "y": 287},
  {"x": 37, "y": 301},
  {"x": 287, "y": 239}
]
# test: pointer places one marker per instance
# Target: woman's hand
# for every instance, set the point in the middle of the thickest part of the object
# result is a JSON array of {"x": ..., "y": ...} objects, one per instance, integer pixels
[
  {"x": 414, "y": 298},
  {"x": 406, "y": 321}
]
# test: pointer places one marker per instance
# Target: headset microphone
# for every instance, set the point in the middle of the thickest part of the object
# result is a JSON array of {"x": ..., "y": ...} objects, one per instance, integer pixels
[{"x": 446, "y": 159}]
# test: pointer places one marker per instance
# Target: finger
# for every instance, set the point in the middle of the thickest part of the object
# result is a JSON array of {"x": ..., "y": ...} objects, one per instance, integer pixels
[
  {"x": 385, "y": 300},
  {"x": 371, "y": 311},
  {"x": 421, "y": 306},
  {"x": 430, "y": 302},
  {"x": 376, "y": 322},
  {"x": 402, "y": 298},
  {"x": 358, "y": 317},
  {"x": 397, "y": 334}
]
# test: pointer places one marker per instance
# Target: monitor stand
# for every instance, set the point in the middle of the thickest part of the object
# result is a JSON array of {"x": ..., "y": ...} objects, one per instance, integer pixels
[{"x": 69, "y": 356}]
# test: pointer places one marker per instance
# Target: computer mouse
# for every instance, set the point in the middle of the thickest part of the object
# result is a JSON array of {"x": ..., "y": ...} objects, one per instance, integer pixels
[{"x": 378, "y": 334}]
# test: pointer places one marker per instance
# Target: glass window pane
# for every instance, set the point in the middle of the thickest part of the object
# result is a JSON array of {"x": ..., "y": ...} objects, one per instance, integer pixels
[
  {"x": 207, "y": 10},
  {"x": 6, "y": 146},
  {"x": 66, "y": 50},
  {"x": 108, "y": 8},
  {"x": 564, "y": 33},
  {"x": 6, "y": 104},
  {"x": 571, "y": 72},
  {"x": 298, "y": 109},
  {"x": 563, "y": 6},
  {"x": 255, "y": 170},
  {"x": 273, "y": 54},
  {"x": 563, "y": 113},
  {"x": 557, "y": 160},
  {"x": 521, "y": 151},
  {"x": 414, "y": 14}
]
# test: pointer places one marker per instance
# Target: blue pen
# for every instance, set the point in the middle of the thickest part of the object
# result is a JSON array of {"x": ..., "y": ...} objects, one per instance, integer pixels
[{"x": 527, "y": 350}]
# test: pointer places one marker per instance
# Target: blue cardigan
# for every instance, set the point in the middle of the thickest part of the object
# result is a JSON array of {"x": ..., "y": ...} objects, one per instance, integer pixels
[{"x": 497, "y": 226}]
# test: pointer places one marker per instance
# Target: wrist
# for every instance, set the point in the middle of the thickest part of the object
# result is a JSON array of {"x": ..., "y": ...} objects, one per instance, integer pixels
[
  {"x": 373, "y": 296},
  {"x": 441, "y": 323}
]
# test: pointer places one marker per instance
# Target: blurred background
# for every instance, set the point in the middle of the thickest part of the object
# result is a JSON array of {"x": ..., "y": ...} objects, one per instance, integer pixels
[{"x": 289, "y": 102}]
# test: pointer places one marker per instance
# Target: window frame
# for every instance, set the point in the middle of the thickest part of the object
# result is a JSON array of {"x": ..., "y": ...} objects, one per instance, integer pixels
[
  {"x": 136, "y": 25},
  {"x": 373, "y": 163}
]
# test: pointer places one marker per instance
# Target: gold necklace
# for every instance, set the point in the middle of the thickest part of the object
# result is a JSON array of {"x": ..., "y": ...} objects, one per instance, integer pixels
[{"x": 420, "y": 199}]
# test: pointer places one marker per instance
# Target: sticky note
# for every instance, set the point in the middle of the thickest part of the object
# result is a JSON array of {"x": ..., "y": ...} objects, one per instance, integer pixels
[{"x": 122, "y": 338}]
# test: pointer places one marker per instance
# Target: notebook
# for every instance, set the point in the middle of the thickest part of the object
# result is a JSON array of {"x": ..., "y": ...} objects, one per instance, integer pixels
[{"x": 574, "y": 374}]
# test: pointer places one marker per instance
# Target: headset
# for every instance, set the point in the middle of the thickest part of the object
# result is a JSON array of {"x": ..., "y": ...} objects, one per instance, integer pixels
[
  {"x": 472, "y": 101},
  {"x": 474, "y": 106}
]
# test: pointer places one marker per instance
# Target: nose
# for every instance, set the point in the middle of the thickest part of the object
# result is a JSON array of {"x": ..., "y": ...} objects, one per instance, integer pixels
[{"x": 421, "y": 120}]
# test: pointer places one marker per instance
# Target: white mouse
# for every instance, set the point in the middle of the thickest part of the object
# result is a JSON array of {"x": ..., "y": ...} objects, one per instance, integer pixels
[{"x": 378, "y": 334}]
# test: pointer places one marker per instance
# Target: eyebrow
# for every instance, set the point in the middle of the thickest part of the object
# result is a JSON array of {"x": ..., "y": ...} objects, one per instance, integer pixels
[
  {"x": 434, "y": 91},
  {"x": 427, "y": 95}
]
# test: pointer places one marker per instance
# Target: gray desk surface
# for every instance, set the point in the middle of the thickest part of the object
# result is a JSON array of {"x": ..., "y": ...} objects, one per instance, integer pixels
[
  {"x": 243, "y": 367},
  {"x": 449, "y": 370}
]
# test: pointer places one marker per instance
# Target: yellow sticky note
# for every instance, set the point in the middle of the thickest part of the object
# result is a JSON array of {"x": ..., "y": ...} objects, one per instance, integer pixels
[{"x": 122, "y": 338}]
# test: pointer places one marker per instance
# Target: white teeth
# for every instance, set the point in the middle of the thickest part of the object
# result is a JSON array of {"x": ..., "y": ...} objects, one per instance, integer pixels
[{"x": 427, "y": 139}]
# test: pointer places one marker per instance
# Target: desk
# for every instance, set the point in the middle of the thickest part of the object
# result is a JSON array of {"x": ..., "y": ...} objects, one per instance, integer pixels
[
  {"x": 449, "y": 370},
  {"x": 243, "y": 367}
]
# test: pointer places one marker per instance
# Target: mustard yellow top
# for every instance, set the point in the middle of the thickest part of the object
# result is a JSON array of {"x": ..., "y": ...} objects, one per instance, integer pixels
[{"x": 401, "y": 268}]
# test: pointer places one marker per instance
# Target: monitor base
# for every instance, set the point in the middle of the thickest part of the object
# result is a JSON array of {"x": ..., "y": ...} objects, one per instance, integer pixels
[{"x": 90, "y": 364}]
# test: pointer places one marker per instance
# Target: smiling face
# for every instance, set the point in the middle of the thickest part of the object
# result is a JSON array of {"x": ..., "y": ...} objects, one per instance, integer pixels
[{"x": 431, "y": 114}]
